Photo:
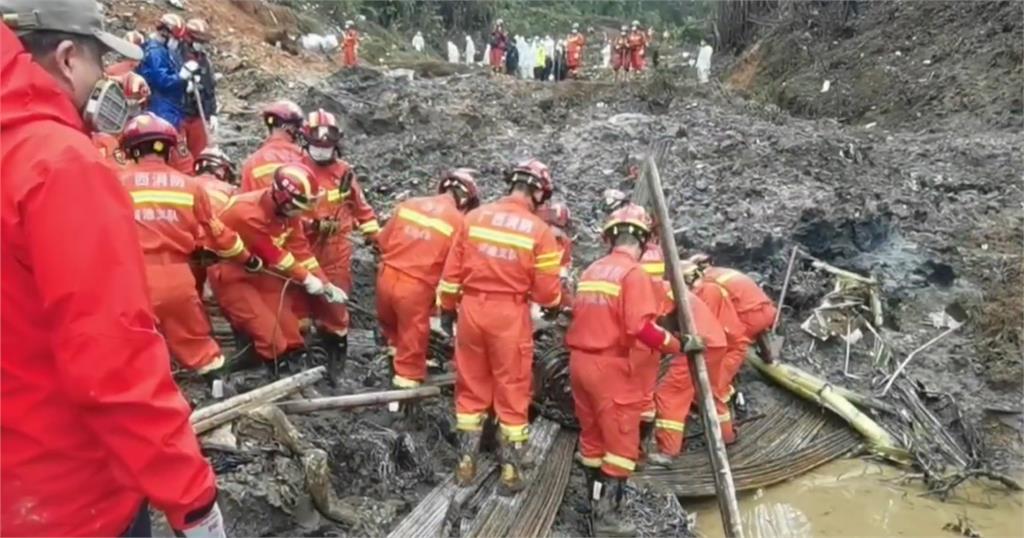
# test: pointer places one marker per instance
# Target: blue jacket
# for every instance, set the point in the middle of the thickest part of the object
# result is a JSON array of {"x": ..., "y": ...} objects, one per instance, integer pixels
[{"x": 160, "y": 66}]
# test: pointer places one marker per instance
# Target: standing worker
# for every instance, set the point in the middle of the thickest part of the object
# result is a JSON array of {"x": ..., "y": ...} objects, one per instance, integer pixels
[
  {"x": 93, "y": 428},
  {"x": 200, "y": 116},
  {"x": 557, "y": 216},
  {"x": 499, "y": 42},
  {"x": 413, "y": 248},
  {"x": 342, "y": 207},
  {"x": 173, "y": 213},
  {"x": 504, "y": 258},
  {"x": 215, "y": 172},
  {"x": 257, "y": 304},
  {"x": 350, "y": 45},
  {"x": 637, "y": 47},
  {"x": 621, "y": 58},
  {"x": 574, "y": 50},
  {"x": 283, "y": 120},
  {"x": 616, "y": 308},
  {"x": 417, "y": 41}
]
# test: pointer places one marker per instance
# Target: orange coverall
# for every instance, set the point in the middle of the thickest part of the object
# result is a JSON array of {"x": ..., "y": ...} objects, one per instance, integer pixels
[
  {"x": 503, "y": 258},
  {"x": 675, "y": 393},
  {"x": 574, "y": 52},
  {"x": 620, "y": 53},
  {"x": 257, "y": 303},
  {"x": 754, "y": 310},
  {"x": 614, "y": 300},
  {"x": 350, "y": 48},
  {"x": 334, "y": 252},
  {"x": 647, "y": 361},
  {"x": 172, "y": 212},
  {"x": 219, "y": 193},
  {"x": 258, "y": 169},
  {"x": 637, "y": 47},
  {"x": 413, "y": 246}
]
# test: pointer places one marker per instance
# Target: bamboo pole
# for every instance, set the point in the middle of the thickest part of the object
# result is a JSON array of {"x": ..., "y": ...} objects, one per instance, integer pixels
[
  {"x": 264, "y": 394},
  {"x": 350, "y": 401},
  {"x": 724, "y": 487}
]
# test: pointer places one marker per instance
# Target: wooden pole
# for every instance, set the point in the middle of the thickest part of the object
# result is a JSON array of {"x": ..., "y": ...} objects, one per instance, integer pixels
[
  {"x": 264, "y": 394},
  {"x": 350, "y": 401},
  {"x": 724, "y": 487}
]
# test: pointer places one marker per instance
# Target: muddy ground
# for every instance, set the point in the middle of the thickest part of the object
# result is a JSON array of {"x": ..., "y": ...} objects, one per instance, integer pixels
[{"x": 934, "y": 214}]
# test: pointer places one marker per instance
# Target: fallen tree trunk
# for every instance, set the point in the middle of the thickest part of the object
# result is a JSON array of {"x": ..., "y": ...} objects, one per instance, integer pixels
[
  {"x": 350, "y": 401},
  {"x": 211, "y": 416}
]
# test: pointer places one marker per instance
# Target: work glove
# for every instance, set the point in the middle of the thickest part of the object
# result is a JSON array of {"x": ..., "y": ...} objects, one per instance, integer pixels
[
  {"x": 328, "y": 226},
  {"x": 213, "y": 124},
  {"x": 692, "y": 344},
  {"x": 189, "y": 70},
  {"x": 254, "y": 264},
  {"x": 448, "y": 322},
  {"x": 209, "y": 526},
  {"x": 334, "y": 294},
  {"x": 313, "y": 285}
]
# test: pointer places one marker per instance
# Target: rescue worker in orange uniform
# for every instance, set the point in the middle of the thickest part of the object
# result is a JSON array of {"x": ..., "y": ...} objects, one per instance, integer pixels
[
  {"x": 616, "y": 308},
  {"x": 350, "y": 45},
  {"x": 637, "y": 47},
  {"x": 413, "y": 248},
  {"x": 504, "y": 258},
  {"x": 215, "y": 172},
  {"x": 258, "y": 305},
  {"x": 621, "y": 58},
  {"x": 652, "y": 261},
  {"x": 172, "y": 212},
  {"x": 754, "y": 309},
  {"x": 340, "y": 209},
  {"x": 127, "y": 65},
  {"x": 574, "y": 50},
  {"x": 136, "y": 92},
  {"x": 284, "y": 121},
  {"x": 558, "y": 217},
  {"x": 676, "y": 391}
]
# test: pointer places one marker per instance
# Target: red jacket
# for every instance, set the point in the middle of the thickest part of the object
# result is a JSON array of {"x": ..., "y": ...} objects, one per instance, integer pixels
[
  {"x": 258, "y": 169},
  {"x": 417, "y": 240},
  {"x": 91, "y": 422}
]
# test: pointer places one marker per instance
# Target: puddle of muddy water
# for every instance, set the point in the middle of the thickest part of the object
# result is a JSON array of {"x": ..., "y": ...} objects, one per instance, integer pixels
[{"x": 860, "y": 498}]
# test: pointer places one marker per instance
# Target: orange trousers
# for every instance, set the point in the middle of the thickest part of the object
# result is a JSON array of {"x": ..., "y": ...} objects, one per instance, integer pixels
[
  {"x": 608, "y": 398},
  {"x": 349, "y": 57},
  {"x": 646, "y": 363},
  {"x": 183, "y": 321},
  {"x": 404, "y": 305},
  {"x": 755, "y": 322},
  {"x": 636, "y": 59},
  {"x": 195, "y": 134},
  {"x": 735, "y": 353},
  {"x": 494, "y": 363},
  {"x": 257, "y": 305},
  {"x": 674, "y": 397}
]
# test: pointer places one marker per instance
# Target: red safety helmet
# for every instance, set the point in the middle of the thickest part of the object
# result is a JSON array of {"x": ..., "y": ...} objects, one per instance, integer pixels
[
  {"x": 171, "y": 24},
  {"x": 535, "y": 174},
  {"x": 463, "y": 180},
  {"x": 294, "y": 187},
  {"x": 630, "y": 218},
  {"x": 282, "y": 113},
  {"x": 148, "y": 128},
  {"x": 321, "y": 129},
  {"x": 197, "y": 30},
  {"x": 215, "y": 162},
  {"x": 135, "y": 37},
  {"x": 555, "y": 214}
]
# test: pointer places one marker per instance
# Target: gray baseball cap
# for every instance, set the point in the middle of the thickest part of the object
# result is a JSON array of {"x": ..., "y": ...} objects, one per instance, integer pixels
[{"x": 72, "y": 16}]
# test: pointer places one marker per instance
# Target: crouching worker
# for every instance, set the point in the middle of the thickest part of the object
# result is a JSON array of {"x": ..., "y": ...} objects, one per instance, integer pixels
[
  {"x": 254, "y": 298},
  {"x": 616, "y": 306},
  {"x": 413, "y": 248},
  {"x": 174, "y": 217}
]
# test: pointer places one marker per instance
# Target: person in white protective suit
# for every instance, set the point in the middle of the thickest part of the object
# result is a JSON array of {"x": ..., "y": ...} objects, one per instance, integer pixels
[
  {"x": 417, "y": 41},
  {"x": 453, "y": 53},
  {"x": 704, "y": 62},
  {"x": 470, "y": 50}
]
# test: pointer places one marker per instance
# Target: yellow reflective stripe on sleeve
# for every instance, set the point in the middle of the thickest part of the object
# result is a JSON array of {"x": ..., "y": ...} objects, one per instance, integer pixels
[
  {"x": 448, "y": 287},
  {"x": 469, "y": 422},
  {"x": 369, "y": 227},
  {"x": 286, "y": 263},
  {"x": 722, "y": 279},
  {"x": 668, "y": 338},
  {"x": 548, "y": 265},
  {"x": 672, "y": 425},
  {"x": 235, "y": 249},
  {"x": 219, "y": 196},
  {"x": 405, "y": 382},
  {"x": 183, "y": 199},
  {"x": 654, "y": 268},
  {"x": 556, "y": 255},
  {"x": 280, "y": 240},
  {"x": 619, "y": 461},
  {"x": 593, "y": 463},
  {"x": 598, "y": 286},
  {"x": 725, "y": 417},
  {"x": 488, "y": 235},
  {"x": 335, "y": 195},
  {"x": 515, "y": 434},
  {"x": 432, "y": 223},
  {"x": 265, "y": 169},
  {"x": 310, "y": 263}
]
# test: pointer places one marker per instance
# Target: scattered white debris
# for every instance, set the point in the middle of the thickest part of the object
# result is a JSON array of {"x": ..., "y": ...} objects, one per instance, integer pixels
[{"x": 825, "y": 86}]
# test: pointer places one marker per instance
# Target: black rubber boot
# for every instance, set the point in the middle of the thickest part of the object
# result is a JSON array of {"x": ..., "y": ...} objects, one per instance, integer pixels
[
  {"x": 607, "y": 495},
  {"x": 291, "y": 362},
  {"x": 337, "y": 355},
  {"x": 512, "y": 479},
  {"x": 469, "y": 445}
]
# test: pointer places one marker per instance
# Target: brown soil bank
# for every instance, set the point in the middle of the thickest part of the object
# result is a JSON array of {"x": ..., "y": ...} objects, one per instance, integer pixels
[{"x": 903, "y": 64}]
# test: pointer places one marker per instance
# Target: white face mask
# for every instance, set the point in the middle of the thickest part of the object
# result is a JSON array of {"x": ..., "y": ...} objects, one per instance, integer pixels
[
  {"x": 172, "y": 43},
  {"x": 321, "y": 155}
]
